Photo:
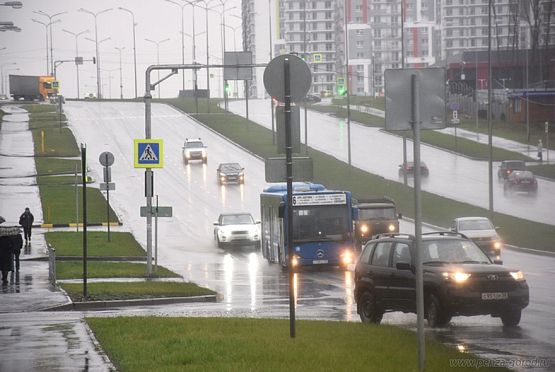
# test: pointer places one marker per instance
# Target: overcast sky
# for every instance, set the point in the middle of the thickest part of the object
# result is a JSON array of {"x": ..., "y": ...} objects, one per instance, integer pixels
[{"x": 156, "y": 20}]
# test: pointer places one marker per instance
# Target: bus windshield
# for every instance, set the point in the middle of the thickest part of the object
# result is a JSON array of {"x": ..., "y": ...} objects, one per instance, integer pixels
[{"x": 328, "y": 222}]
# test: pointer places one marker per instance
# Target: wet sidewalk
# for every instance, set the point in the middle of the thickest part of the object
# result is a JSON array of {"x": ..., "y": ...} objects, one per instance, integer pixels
[
  {"x": 529, "y": 150},
  {"x": 31, "y": 339}
]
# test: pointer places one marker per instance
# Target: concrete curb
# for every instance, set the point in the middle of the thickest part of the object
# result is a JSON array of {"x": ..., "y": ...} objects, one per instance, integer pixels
[
  {"x": 103, "y": 305},
  {"x": 52, "y": 225},
  {"x": 89, "y": 258}
]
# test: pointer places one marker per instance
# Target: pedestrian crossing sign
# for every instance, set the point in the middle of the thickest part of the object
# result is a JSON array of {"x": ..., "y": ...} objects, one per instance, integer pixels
[{"x": 149, "y": 153}]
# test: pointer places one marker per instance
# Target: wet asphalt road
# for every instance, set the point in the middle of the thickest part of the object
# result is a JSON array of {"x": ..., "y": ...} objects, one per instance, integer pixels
[{"x": 248, "y": 286}]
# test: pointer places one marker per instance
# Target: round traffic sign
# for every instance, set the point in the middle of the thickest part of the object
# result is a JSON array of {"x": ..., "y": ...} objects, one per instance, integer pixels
[
  {"x": 106, "y": 158},
  {"x": 299, "y": 76}
]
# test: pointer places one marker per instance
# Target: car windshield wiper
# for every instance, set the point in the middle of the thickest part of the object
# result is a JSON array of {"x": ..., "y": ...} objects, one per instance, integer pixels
[{"x": 437, "y": 262}]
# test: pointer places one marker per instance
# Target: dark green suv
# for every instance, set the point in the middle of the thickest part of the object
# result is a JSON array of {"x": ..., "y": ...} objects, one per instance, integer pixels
[{"x": 459, "y": 279}]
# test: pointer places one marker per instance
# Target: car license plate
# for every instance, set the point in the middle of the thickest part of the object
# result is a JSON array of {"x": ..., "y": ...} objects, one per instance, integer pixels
[
  {"x": 319, "y": 262},
  {"x": 495, "y": 296}
]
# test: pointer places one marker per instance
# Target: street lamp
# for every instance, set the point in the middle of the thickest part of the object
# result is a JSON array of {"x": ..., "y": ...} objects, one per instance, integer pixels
[
  {"x": 110, "y": 77},
  {"x": 2, "y": 72},
  {"x": 182, "y": 6},
  {"x": 98, "y": 76},
  {"x": 134, "y": 48},
  {"x": 206, "y": 9},
  {"x": 76, "y": 36},
  {"x": 95, "y": 15},
  {"x": 50, "y": 17},
  {"x": 157, "y": 43},
  {"x": 46, "y": 25},
  {"x": 120, "y": 72}
]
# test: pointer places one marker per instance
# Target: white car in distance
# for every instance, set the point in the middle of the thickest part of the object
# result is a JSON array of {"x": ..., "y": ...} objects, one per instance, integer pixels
[{"x": 238, "y": 229}]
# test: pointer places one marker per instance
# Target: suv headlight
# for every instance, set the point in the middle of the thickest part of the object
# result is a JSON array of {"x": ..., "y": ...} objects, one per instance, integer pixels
[
  {"x": 347, "y": 257},
  {"x": 497, "y": 244},
  {"x": 517, "y": 275},
  {"x": 391, "y": 227},
  {"x": 457, "y": 276},
  {"x": 364, "y": 229}
]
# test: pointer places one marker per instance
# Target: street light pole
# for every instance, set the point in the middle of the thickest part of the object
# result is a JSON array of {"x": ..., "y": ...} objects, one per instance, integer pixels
[
  {"x": 76, "y": 36},
  {"x": 157, "y": 43},
  {"x": 95, "y": 15},
  {"x": 134, "y": 46},
  {"x": 182, "y": 6},
  {"x": 47, "y": 56},
  {"x": 40, "y": 12},
  {"x": 120, "y": 72},
  {"x": 348, "y": 85}
]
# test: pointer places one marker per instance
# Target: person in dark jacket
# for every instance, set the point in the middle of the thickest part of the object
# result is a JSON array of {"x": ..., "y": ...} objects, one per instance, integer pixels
[
  {"x": 6, "y": 249},
  {"x": 17, "y": 241},
  {"x": 26, "y": 221}
]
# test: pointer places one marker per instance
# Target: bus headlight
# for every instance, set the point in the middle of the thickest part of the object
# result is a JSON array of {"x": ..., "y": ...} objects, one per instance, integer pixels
[
  {"x": 497, "y": 244},
  {"x": 347, "y": 257},
  {"x": 364, "y": 229}
]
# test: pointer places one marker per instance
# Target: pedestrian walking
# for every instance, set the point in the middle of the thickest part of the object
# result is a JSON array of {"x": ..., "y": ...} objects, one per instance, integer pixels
[
  {"x": 26, "y": 221},
  {"x": 7, "y": 234},
  {"x": 17, "y": 241},
  {"x": 540, "y": 151}
]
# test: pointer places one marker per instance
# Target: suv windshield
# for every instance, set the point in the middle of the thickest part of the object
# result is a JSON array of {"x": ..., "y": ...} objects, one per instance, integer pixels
[
  {"x": 194, "y": 144},
  {"x": 373, "y": 213},
  {"x": 515, "y": 164},
  {"x": 475, "y": 225},
  {"x": 237, "y": 219},
  {"x": 452, "y": 251}
]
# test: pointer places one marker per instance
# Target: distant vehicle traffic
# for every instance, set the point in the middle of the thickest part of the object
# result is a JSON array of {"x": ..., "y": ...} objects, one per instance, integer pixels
[
  {"x": 482, "y": 232},
  {"x": 237, "y": 229},
  {"x": 326, "y": 93},
  {"x": 520, "y": 181},
  {"x": 372, "y": 217},
  {"x": 32, "y": 88},
  {"x": 230, "y": 173},
  {"x": 194, "y": 149},
  {"x": 313, "y": 98},
  {"x": 459, "y": 279},
  {"x": 508, "y": 166},
  {"x": 322, "y": 230},
  {"x": 408, "y": 169}
]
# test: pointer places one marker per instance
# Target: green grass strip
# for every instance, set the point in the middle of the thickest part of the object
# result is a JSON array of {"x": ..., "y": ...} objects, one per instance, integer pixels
[
  {"x": 101, "y": 269},
  {"x": 232, "y": 344},
  {"x": 70, "y": 243},
  {"x": 53, "y": 166},
  {"x": 133, "y": 290},
  {"x": 60, "y": 204}
]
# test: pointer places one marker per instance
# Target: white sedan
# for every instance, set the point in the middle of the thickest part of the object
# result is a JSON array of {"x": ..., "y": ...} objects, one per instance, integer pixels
[{"x": 236, "y": 229}]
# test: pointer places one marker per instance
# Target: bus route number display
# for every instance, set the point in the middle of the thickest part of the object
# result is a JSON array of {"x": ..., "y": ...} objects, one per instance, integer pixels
[{"x": 319, "y": 199}]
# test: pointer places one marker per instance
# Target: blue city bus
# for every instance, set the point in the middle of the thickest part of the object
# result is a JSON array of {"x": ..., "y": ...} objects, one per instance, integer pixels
[{"x": 322, "y": 225}]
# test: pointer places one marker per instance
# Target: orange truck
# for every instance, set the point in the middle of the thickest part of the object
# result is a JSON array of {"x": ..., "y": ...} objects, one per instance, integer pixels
[{"x": 32, "y": 88}]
